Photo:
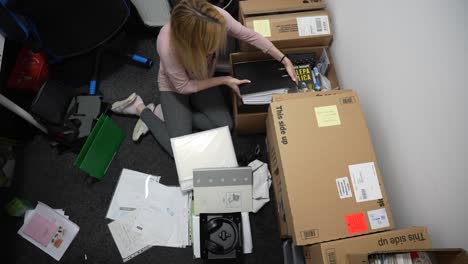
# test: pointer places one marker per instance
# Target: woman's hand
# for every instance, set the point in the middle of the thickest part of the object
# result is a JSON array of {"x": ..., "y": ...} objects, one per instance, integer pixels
[
  {"x": 290, "y": 69},
  {"x": 234, "y": 83}
]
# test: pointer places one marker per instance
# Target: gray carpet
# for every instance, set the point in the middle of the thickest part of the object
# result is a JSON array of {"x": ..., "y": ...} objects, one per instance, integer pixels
[{"x": 43, "y": 175}]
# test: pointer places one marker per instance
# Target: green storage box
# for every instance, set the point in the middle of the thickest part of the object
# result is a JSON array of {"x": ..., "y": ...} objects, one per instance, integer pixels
[{"x": 100, "y": 147}]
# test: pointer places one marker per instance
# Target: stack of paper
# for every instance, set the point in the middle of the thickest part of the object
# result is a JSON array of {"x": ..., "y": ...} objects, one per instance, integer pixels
[
  {"x": 147, "y": 214},
  {"x": 262, "y": 98},
  {"x": 48, "y": 229},
  {"x": 266, "y": 77}
]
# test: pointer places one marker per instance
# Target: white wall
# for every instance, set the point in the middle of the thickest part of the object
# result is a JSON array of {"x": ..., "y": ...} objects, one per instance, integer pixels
[{"x": 408, "y": 61}]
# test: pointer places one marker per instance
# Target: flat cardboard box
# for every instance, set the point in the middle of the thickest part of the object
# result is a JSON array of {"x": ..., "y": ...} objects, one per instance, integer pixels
[
  {"x": 331, "y": 185},
  {"x": 258, "y": 7},
  {"x": 339, "y": 251},
  {"x": 291, "y": 30},
  {"x": 441, "y": 255},
  {"x": 276, "y": 179},
  {"x": 250, "y": 119}
]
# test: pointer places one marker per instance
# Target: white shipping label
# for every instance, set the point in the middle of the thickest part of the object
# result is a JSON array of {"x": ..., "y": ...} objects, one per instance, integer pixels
[
  {"x": 344, "y": 189},
  {"x": 378, "y": 218},
  {"x": 365, "y": 182},
  {"x": 313, "y": 26}
]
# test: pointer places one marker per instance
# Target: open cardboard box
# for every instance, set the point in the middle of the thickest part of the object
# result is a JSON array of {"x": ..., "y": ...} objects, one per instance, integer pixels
[
  {"x": 357, "y": 248},
  {"x": 441, "y": 255},
  {"x": 250, "y": 119}
]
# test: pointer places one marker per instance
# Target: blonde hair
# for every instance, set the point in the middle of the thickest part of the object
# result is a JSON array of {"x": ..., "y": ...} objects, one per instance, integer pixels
[{"x": 197, "y": 29}]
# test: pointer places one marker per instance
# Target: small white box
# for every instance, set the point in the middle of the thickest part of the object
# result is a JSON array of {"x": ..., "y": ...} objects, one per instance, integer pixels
[{"x": 222, "y": 190}]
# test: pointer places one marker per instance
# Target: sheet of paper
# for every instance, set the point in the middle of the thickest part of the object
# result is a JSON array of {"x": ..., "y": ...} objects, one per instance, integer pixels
[
  {"x": 246, "y": 233},
  {"x": 155, "y": 222},
  {"x": 71, "y": 229},
  {"x": 176, "y": 203},
  {"x": 133, "y": 190},
  {"x": 129, "y": 243},
  {"x": 262, "y": 26}
]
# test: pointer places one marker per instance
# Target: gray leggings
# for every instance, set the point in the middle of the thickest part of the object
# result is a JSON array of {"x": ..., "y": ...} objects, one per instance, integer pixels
[{"x": 182, "y": 113}]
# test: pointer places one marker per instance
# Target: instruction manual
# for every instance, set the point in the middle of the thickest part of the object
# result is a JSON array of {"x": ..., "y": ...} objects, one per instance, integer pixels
[
  {"x": 48, "y": 229},
  {"x": 147, "y": 214}
]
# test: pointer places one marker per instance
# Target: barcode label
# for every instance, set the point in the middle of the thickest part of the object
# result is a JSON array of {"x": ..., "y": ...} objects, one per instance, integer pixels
[
  {"x": 348, "y": 100},
  {"x": 364, "y": 194},
  {"x": 344, "y": 189},
  {"x": 310, "y": 234},
  {"x": 378, "y": 218},
  {"x": 311, "y": 26},
  {"x": 318, "y": 22},
  {"x": 331, "y": 255}
]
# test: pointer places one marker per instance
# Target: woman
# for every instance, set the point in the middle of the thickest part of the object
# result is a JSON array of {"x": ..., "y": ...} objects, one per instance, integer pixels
[{"x": 190, "y": 97}]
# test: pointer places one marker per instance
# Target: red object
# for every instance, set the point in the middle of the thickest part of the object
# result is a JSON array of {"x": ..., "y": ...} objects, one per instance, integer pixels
[
  {"x": 356, "y": 223},
  {"x": 30, "y": 71}
]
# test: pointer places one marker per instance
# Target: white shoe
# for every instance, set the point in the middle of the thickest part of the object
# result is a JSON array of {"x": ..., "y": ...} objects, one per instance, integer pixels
[
  {"x": 140, "y": 127},
  {"x": 127, "y": 106},
  {"x": 158, "y": 112}
]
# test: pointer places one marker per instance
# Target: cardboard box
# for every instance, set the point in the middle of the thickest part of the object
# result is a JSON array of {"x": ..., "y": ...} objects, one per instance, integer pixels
[
  {"x": 291, "y": 30},
  {"x": 259, "y": 7},
  {"x": 250, "y": 119},
  {"x": 276, "y": 179},
  {"x": 339, "y": 251},
  {"x": 441, "y": 255},
  {"x": 331, "y": 185}
]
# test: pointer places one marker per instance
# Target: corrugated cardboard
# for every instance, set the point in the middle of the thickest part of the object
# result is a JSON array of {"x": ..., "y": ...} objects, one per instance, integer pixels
[
  {"x": 330, "y": 179},
  {"x": 441, "y": 255},
  {"x": 257, "y": 7},
  {"x": 283, "y": 30},
  {"x": 251, "y": 119},
  {"x": 276, "y": 179},
  {"x": 340, "y": 251}
]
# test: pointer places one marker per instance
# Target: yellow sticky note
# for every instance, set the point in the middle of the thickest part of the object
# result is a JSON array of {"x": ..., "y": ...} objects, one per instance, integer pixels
[
  {"x": 327, "y": 116},
  {"x": 262, "y": 27}
]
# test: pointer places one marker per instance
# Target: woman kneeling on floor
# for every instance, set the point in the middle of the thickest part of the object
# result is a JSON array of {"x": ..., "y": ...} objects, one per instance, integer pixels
[{"x": 189, "y": 94}]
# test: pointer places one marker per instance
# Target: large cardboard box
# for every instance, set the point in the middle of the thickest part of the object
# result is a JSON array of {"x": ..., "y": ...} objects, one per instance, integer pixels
[
  {"x": 331, "y": 185},
  {"x": 291, "y": 30},
  {"x": 250, "y": 119},
  {"x": 276, "y": 179},
  {"x": 259, "y": 7},
  {"x": 339, "y": 251}
]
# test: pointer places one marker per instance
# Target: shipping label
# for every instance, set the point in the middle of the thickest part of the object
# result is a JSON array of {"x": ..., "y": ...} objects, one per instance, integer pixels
[
  {"x": 365, "y": 182},
  {"x": 313, "y": 26},
  {"x": 344, "y": 188}
]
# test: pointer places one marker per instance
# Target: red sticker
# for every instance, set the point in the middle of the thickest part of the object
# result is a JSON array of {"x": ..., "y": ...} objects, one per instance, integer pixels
[{"x": 356, "y": 223}]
